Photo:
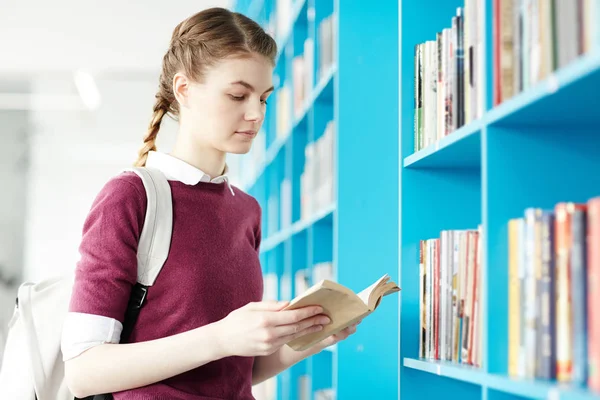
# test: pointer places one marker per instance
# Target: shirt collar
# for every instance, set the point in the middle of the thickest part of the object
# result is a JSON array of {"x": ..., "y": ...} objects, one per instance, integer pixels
[{"x": 178, "y": 170}]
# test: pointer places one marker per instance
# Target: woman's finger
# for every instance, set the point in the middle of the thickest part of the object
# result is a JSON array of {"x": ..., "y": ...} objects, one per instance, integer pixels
[
  {"x": 286, "y": 339},
  {"x": 291, "y": 329}
]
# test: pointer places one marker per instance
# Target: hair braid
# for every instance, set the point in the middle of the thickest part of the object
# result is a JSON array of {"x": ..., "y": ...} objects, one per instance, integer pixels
[{"x": 161, "y": 107}]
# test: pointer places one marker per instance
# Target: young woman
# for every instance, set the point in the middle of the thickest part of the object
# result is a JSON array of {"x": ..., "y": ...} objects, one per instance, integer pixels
[{"x": 204, "y": 332}]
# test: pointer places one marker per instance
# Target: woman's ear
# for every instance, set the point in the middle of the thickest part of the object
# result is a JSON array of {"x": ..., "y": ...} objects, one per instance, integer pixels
[{"x": 181, "y": 86}]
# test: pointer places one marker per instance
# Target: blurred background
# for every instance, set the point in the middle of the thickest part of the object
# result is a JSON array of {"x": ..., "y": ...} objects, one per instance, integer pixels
[{"x": 77, "y": 85}]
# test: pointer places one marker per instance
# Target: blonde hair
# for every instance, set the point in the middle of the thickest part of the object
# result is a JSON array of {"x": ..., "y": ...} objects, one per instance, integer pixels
[{"x": 199, "y": 42}]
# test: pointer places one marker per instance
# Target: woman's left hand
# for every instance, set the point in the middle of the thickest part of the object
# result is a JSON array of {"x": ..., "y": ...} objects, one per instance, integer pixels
[{"x": 338, "y": 337}]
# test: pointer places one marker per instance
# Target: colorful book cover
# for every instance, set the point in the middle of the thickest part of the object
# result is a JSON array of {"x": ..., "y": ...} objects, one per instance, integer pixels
[
  {"x": 531, "y": 356},
  {"x": 443, "y": 308},
  {"x": 546, "y": 305},
  {"x": 564, "y": 307},
  {"x": 456, "y": 243},
  {"x": 579, "y": 296},
  {"x": 436, "y": 297},
  {"x": 514, "y": 295},
  {"x": 475, "y": 253},
  {"x": 460, "y": 71},
  {"x": 422, "y": 294},
  {"x": 417, "y": 101}
]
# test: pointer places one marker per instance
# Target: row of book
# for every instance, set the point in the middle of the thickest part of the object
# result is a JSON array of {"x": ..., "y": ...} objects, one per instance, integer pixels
[
  {"x": 554, "y": 283},
  {"x": 449, "y": 77},
  {"x": 533, "y": 38},
  {"x": 291, "y": 97},
  {"x": 316, "y": 182},
  {"x": 449, "y": 297},
  {"x": 302, "y": 76}
]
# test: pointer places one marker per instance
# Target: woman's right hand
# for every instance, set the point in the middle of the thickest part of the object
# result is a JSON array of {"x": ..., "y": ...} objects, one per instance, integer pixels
[{"x": 261, "y": 328}]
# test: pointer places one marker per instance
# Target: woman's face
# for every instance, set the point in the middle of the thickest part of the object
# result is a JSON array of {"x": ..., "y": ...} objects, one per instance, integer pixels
[{"x": 226, "y": 110}]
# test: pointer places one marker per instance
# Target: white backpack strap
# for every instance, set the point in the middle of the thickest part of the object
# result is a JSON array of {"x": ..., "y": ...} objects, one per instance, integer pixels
[
  {"x": 155, "y": 239},
  {"x": 35, "y": 355}
]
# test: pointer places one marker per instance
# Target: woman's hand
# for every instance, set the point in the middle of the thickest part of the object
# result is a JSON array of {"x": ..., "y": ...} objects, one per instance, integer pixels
[
  {"x": 261, "y": 328},
  {"x": 338, "y": 337}
]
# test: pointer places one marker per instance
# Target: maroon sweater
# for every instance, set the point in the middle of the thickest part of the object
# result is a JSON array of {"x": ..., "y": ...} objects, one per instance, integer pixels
[{"x": 212, "y": 269}]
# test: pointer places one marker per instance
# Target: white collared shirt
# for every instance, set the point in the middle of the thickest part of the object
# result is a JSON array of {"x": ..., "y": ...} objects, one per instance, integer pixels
[{"x": 178, "y": 170}]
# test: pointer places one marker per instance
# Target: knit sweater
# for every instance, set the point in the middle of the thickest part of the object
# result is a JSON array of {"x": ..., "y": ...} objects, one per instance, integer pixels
[{"x": 212, "y": 269}]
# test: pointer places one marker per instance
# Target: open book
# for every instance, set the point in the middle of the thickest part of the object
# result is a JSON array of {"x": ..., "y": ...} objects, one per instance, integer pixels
[{"x": 341, "y": 305}]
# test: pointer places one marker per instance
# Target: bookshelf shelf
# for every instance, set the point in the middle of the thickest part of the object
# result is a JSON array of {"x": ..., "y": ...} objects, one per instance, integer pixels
[
  {"x": 530, "y": 389},
  {"x": 324, "y": 215},
  {"x": 460, "y": 149},
  {"x": 463, "y": 373},
  {"x": 568, "y": 97}
]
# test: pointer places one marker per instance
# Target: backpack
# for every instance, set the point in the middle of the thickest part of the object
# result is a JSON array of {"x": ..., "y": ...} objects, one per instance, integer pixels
[{"x": 32, "y": 365}]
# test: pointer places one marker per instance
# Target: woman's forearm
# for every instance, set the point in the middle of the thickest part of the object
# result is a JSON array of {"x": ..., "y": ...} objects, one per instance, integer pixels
[
  {"x": 266, "y": 367},
  {"x": 110, "y": 368}
]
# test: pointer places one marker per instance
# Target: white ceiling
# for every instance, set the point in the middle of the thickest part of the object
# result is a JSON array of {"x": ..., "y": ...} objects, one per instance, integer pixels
[
  {"x": 42, "y": 36},
  {"x": 43, "y": 42}
]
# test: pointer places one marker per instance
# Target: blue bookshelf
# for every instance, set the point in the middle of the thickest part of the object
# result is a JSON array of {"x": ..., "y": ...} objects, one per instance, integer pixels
[
  {"x": 356, "y": 232},
  {"x": 534, "y": 150}
]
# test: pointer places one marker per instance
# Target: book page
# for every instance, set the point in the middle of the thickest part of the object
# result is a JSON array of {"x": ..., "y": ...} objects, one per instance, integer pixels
[{"x": 364, "y": 295}]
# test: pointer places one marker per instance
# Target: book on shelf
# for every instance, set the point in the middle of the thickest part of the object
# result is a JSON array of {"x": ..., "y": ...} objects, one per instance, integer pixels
[
  {"x": 449, "y": 297},
  {"x": 553, "y": 269},
  {"x": 327, "y": 42},
  {"x": 449, "y": 77},
  {"x": 533, "y": 38},
  {"x": 341, "y": 305},
  {"x": 317, "y": 182}
]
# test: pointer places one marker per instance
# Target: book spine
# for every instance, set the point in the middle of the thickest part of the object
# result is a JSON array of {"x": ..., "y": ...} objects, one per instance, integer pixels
[
  {"x": 454, "y": 75},
  {"x": 564, "y": 341},
  {"x": 428, "y": 297},
  {"x": 440, "y": 87},
  {"x": 506, "y": 50},
  {"x": 535, "y": 49},
  {"x": 417, "y": 102},
  {"x": 467, "y": 26},
  {"x": 455, "y": 294},
  {"x": 579, "y": 295},
  {"x": 447, "y": 33},
  {"x": 514, "y": 303},
  {"x": 547, "y": 309},
  {"x": 517, "y": 45},
  {"x": 422, "y": 294},
  {"x": 522, "y": 255},
  {"x": 433, "y": 87},
  {"x": 460, "y": 63},
  {"x": 497, "y": 46},
  {"x": 531, "y": 293},
  {"x": 443, "y": 272},
  {"x": 466, "y": 314},
  {"x": 436, "y": 310},
  {"x": 448, "y": 294},
  {"x": 593, "y": 275},
  {"x": 474, "y": 320}
]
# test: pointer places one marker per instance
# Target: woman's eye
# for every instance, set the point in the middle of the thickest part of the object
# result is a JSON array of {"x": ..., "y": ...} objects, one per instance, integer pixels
[
  {"x": 264, "y": 102},
  {"x": 237, "y": 98}
]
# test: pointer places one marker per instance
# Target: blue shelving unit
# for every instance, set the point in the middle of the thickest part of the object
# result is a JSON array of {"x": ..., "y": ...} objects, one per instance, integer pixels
[
  {"x": 357, "y": 232},
  {"x": 534, "y": 150}
]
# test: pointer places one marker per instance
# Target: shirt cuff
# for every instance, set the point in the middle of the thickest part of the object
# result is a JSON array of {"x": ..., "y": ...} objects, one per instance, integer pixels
[{"x": 83, "y": 331}]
